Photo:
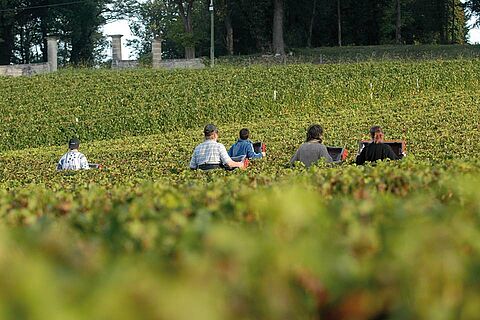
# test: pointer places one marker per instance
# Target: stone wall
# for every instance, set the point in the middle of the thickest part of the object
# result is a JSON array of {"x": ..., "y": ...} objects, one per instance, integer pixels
[
  {"x": 17, "y": 70},
  {"x": 181, "y": 64},
  {"x": 124, "y": 64},
  {"x": 157, "y": 62}
]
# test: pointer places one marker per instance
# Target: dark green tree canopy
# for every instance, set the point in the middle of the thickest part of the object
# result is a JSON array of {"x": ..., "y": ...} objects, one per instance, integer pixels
[{"x": 241, "y": 26}]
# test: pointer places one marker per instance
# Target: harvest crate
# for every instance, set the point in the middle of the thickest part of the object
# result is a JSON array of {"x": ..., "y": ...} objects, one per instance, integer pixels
[
  {"x": 259, "y": 147},
  {"x": 338, "y": 154},
  {"x": 399, "y": 147}
]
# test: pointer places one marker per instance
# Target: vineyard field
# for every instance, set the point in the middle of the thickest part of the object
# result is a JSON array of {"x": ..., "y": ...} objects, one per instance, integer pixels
[
  {"x": 148, "y": 238},
  {"x": 99, "y": 105}
]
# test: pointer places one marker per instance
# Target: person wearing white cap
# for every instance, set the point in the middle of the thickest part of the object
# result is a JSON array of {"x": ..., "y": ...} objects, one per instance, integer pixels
[{"x": 73, "y": 159}]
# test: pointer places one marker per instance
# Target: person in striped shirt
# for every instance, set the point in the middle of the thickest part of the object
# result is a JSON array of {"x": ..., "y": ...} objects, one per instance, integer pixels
[
  {"x": 73, "y": 159},
  {"x": 210, "y": 154}
]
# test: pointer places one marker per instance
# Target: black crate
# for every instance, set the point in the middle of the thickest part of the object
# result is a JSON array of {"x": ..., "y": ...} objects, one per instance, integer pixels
[
  {"x": 259, "y": 147},
  {"x": 338, "y": 154}
]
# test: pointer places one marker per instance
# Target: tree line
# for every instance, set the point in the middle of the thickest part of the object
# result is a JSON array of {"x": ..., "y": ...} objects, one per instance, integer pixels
[{"x": 241, "y": 26}]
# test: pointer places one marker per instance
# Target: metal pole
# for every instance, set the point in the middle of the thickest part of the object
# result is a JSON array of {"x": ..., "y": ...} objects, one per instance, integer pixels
[
  {"x": 212, "y": 35},
  {"x": 339, "y": 18}
]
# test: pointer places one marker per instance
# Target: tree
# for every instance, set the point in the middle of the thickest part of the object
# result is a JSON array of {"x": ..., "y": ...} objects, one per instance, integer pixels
[
  {"x": 398, "y": 25},
  {"x": 278, "y": 42},
  {"x": 82, "y": 22},
  {"x": 312, "y": 21},
  {"x": 147, "y": 22},
  {"x": 224, "y": 9},
  {"x": 473, "y": 7},
  {"x": 339, "y": 22},
  {"x": 185, "y": 9},
  {"x": 8, "y": 16},
  {"x": 25, "y": 25}
]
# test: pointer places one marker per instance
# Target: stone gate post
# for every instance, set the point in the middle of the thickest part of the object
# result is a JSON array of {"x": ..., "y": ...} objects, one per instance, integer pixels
[
  {"x": 52, "y": 50},
  {"x": 116, "y": 47},
  {"x": 156, "y": 52}
]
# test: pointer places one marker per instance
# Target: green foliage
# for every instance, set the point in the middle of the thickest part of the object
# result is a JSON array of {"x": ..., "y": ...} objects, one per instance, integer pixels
[
  {"x": 355, "y": 54},
  {"x": 345, "y": 98},
  {"x": 153, "y": 19},
  {"x": 148, "y": 238}
]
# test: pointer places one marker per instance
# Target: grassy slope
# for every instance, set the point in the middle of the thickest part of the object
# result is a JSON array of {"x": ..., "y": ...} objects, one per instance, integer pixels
[
  {"x": 98, "y": 105},
  {"x": 147, "y": 238}
]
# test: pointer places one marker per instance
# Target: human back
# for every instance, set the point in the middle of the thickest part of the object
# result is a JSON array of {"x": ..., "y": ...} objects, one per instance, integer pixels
[
  {"x": 73, "y": 159},
  {"x": 244, "y": 147},
  {"x": 211, "y": 154},
  {"x": 378, "y": 151},
  {"x": 313, "y": 149}
]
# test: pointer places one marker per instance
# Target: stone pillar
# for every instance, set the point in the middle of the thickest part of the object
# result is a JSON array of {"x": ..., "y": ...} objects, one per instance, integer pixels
[
  {"x": 116, "y": 47},
  {"x": 52, "y": 48},
  {"x": 156, "y": 53}
]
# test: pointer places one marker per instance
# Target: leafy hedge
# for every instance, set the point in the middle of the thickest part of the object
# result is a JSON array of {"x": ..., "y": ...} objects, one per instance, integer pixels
[
  {"x": 243, "y": 252},
  {"x": 98, "y": 105}
]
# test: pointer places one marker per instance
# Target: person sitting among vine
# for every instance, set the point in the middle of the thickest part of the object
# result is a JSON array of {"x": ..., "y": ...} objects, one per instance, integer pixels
[
  {"x": 376, "y": 150},
  {"x": 73, "y": 159},
  {"x": 212, "y": 155},
  {"x": 313, "y": 149},
  {"x": 244, "y": 147}
]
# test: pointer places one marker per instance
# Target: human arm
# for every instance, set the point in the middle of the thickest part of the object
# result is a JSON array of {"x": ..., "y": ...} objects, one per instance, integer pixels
[
  {"x": 83, "y": 162},
  {"x": 193, "y": 162},
  {"x": 324, "y": 154},
  {"x": 294, "y": 158},
  {"x": 230, "y": 151},
  {"x": 361, "y": 158},
  {"x": 60, "y": 163},
  {"x": 234, "y": 164},
  {"x": 251, "y": 153},
  {"x": 389, "y": 153},
  {"x": 226, "y": 160}
]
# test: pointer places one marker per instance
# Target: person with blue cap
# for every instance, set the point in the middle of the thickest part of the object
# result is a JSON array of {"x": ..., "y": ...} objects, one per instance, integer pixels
[{"x": 73, "y": 159}]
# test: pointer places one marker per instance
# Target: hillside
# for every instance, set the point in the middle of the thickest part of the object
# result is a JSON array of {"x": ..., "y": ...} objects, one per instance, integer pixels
[
  {"x": 147, "y": 238},
  {"x": 98, "y": 105}
]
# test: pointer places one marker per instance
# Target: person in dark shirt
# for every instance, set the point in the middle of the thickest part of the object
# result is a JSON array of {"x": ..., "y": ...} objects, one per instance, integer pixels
[{"x": 376, "y": 150}]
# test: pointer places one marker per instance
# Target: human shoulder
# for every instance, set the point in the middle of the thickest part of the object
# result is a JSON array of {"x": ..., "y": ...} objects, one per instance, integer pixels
[
  {"x": 220, "y": 145},
  {"x": 388, "y": 150},
  {"x": 247, "y": 141},
  {"x": 201, "y": 145},
  {"x": 386, "y": 146},
  {"x": 321, "y": 145},
  {"x": 313, "y": 145}
]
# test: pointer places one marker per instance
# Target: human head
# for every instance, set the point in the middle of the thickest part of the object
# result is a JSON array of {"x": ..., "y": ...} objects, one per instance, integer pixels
[
  {"x": 73, "y": 143},
  {"x": 210, "y": 131},
  {"x": 376, "y": 133},
  {"x": 315, "y": 132},
  {"x": 244, "y": 134}
]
